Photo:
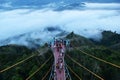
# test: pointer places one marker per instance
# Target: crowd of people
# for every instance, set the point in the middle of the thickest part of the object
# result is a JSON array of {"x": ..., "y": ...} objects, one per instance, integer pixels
[{"x": 59, "y": 45}]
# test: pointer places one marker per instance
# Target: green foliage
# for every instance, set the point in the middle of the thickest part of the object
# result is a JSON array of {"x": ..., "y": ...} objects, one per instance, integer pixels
[
  {"x": 110, "y": 38},
  {"x": 106, "y": 71},
  {"x": 16, "y": 77},
  {"x": 13, "y": 54},
  {"x": 77, "y": 40},
  {"x": 109, "y": 51}
]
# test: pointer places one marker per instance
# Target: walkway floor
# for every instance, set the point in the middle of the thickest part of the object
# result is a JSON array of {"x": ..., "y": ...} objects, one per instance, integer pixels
[{"x": 60, "y": 73}]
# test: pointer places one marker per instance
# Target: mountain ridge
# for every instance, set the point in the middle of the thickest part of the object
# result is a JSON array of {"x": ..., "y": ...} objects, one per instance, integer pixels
[
  {"x": 21, "y": 72},
  {"x": 34, "y": 40}
]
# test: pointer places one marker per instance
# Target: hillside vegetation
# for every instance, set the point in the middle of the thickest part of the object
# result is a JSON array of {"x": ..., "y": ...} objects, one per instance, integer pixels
[
  {"x": 106, "y": 49},
  {"x": 12, "y": 54},
  {"x": 101, "y": 49}
]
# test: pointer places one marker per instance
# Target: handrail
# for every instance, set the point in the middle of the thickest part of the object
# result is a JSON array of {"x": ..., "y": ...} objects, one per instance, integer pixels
[
  {"x": 38, "y": 68},
  {"x": 85, "y": 68}
]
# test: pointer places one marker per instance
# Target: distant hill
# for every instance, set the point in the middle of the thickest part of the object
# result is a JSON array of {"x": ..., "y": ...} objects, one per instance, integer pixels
[
  {"x": 109, "y": 39},
  {"x": 34, "y": 39},
  {"x": 77, "y": 40},
  {"x": 11, "y": 54},
  {"x": 14, "y": 49},
  {"x": 101, "y": 50}
]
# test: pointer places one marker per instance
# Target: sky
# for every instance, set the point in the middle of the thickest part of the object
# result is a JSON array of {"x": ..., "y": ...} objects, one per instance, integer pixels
[{"x": 88, "y": 22}]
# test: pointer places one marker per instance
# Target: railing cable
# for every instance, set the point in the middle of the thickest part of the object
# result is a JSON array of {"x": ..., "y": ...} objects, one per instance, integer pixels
[{"x": 85, "y": 68}]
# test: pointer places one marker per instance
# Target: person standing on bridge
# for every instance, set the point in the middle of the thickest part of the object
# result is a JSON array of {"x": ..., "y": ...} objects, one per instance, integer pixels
[
  {"x": 54, "y": 73},
  {"x": 62, "y": 51},
  {"x": 60, "y": 67},
  {"x": 54, "y": 41},
  {"x": 61, "y": 55},
  {"x": 50, "y": 44},
  {"x": 57, "y": 65},
  {"x": 65, "y": 43}
]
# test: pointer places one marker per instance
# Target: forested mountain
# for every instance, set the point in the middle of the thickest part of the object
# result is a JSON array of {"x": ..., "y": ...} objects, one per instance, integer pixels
[
  {"x": 11, "y": 54},
  {"x": 109, "y": 39}
]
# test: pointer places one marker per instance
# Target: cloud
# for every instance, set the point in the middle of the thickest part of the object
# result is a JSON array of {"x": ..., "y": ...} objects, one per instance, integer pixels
[
  {"x": 88, "y": 22},
  {"x": 102, "y": 5}
]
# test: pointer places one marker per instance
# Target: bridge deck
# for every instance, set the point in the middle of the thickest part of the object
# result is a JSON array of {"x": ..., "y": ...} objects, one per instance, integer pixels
[{"x": 59, "y": 73}]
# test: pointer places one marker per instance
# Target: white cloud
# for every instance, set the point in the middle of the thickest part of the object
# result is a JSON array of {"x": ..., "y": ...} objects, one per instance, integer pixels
[
  {"x": 21, "y": 21},
  {"x": 102, "y": 6}
]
